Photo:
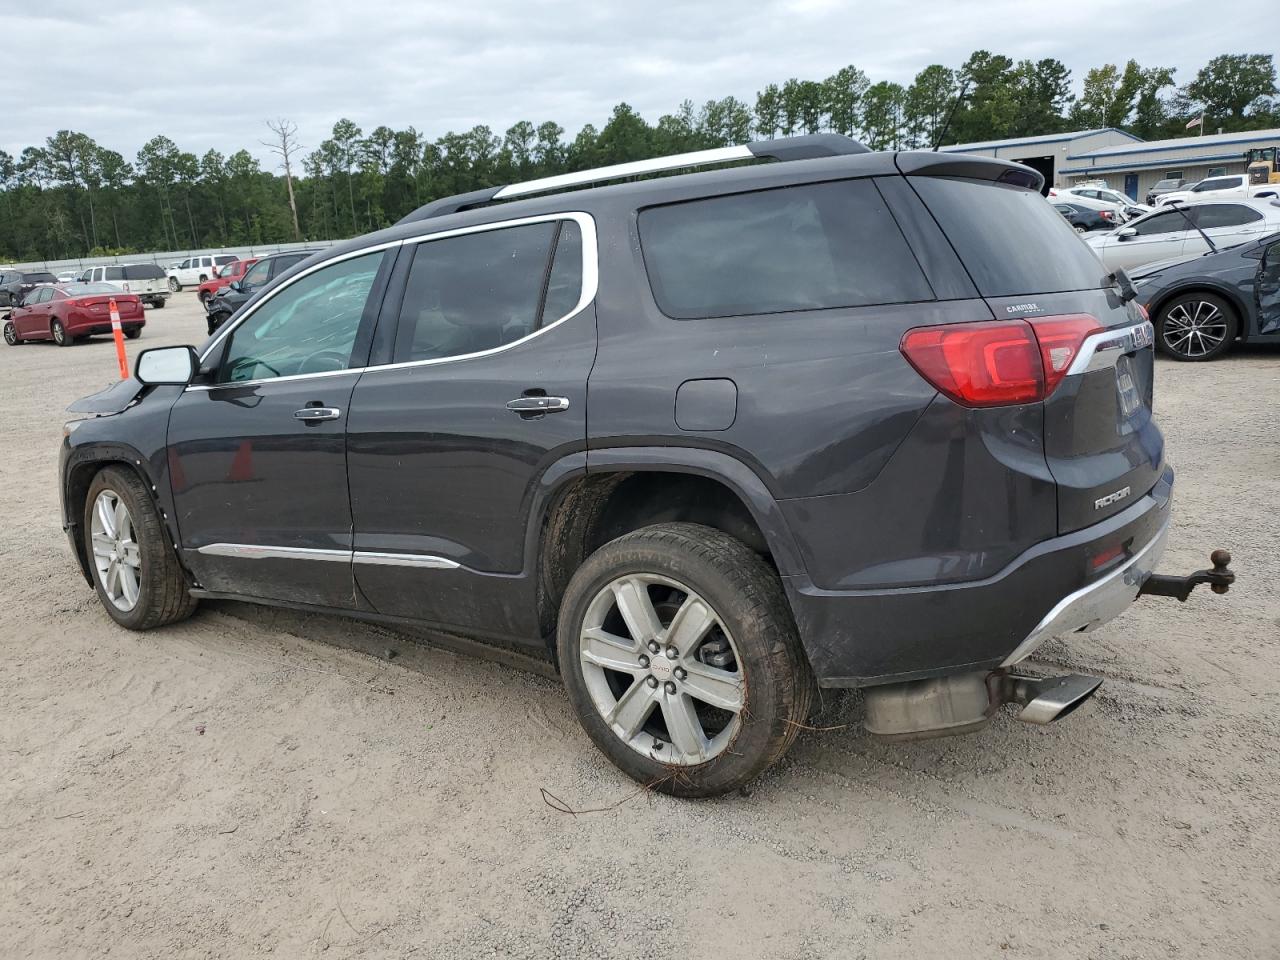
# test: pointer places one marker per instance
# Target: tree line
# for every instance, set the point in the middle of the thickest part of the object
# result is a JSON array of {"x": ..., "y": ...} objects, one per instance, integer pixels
[{"x": 72, "y": 197}]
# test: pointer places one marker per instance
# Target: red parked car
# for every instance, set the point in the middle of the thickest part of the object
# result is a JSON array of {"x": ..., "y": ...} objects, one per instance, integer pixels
[
  {"x": 65, "y": 314},
  {"x": 232, "y": 271}
]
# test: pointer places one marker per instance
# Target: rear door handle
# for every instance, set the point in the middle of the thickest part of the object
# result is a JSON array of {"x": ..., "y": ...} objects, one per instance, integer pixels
[
  {"x": 317, "y": 414},
  {"x": 538, "y": 404}
]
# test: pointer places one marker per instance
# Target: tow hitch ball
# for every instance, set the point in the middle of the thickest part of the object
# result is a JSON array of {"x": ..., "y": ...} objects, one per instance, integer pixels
[{"x": 1220, "y": 579}]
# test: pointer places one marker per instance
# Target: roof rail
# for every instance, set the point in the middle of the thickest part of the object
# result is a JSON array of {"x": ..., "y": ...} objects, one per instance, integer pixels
[{"x": 806, "y": 147}]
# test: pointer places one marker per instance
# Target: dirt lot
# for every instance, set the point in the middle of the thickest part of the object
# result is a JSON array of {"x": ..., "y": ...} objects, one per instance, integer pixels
[{"x": 241, "y": 785}]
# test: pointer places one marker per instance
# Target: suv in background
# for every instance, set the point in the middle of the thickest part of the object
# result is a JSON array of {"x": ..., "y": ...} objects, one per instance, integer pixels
[
  {"x": 226, "y": 301},
  {"x": 1168, "y": 185},
  {"x": 146, "y": 280},
  {"x": 15, "y": 284},
  {"x": 196, "y": 270},
  {"x": 705, "y": 443}
]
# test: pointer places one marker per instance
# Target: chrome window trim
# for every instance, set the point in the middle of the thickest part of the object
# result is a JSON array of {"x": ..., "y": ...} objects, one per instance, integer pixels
[
  {"x": 590, "y": 285},
  {"x": 254, "y": 551},
  {"x": 1103, "y": 348}
]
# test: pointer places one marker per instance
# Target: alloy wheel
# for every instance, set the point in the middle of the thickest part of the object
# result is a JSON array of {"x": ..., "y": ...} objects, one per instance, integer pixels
[
  {"x": 662, "y": 670},
  {"x": 59, "y": 334},
  {"x": 10, "y": 335},
  {"x": 1194, "y": 328},
  {"x": 116, "y": 554}
]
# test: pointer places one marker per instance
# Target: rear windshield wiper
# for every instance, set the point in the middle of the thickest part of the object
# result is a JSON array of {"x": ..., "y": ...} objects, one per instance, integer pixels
[{"x": 1121, "y": 279}]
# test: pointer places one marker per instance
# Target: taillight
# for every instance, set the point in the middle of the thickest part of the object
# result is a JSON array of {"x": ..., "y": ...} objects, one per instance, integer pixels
[
  {"x": 997, "y": 363},
  {"x": 1105, "y": 214}
]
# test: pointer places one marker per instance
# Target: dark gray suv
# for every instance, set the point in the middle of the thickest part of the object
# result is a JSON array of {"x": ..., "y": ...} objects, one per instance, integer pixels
[{"x": 706, "y": 442}]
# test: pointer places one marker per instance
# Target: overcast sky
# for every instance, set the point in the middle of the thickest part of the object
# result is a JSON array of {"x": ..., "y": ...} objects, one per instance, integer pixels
[{"x": 208, "y": 74}]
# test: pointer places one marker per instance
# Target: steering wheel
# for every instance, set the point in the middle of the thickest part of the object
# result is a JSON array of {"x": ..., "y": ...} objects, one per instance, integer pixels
[{"x": 338, "y": 358}]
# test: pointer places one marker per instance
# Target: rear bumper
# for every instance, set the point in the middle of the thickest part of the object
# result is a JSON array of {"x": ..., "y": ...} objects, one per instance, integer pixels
[{"x": 864, "y": 638}]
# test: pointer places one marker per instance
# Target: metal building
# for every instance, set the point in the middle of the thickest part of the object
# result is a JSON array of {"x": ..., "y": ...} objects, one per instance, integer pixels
[{"x": 1124, "y": 161}]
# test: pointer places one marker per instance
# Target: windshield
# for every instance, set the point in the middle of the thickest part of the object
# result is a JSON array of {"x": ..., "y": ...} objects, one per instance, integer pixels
[{"x": 230, "y": 269}]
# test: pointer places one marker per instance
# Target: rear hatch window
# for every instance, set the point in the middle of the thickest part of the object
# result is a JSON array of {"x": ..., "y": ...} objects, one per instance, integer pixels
[
  {"x": 808, "y": 247},
  {"x": 143, "y": 271},
  {"x": 1011, "y": 240}
]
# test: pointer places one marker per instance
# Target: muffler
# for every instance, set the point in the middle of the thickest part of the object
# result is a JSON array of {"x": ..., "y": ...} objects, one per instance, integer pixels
[{"x": 943, "y": 706}]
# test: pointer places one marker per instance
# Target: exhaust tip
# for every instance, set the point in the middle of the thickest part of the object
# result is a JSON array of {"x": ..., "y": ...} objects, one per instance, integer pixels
[{"x": 1048, "y": 699}]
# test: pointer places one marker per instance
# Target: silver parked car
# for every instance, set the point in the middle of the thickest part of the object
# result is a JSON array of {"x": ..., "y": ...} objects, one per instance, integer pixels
[{"x": 1178, "y": 231}]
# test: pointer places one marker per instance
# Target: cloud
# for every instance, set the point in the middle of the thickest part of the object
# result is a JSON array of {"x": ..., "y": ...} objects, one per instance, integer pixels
[{"x": 208, "y": 76}]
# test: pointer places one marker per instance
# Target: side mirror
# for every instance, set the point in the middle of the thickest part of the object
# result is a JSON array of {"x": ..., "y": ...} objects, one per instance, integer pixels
[
  {"x": 1128, "y": 233},
  {"x": 235, "y": 285},
  {"x": 166, "y": 365}
]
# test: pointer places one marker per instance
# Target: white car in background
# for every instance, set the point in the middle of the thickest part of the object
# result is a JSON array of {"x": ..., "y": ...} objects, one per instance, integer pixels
[
  {"x": 1236, "y": 186},
  {"x": 1100, "y": 198},
  {"x": 194, "y": 271},
  {"x": 147, "y": 281},
  {"x": 1180, "y": 231}
]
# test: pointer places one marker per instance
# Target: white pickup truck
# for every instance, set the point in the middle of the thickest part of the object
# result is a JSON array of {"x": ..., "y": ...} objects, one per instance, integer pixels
[
  {"x": 194, "y": 271},
  {"x": 1233, "y": 187},
  {"x": 146, "y": 280}
]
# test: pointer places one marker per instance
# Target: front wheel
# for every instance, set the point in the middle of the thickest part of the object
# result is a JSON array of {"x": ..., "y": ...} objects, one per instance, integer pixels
[
  {"x": 681, "y": 659},
  {"x": 135, "y": 570},
  {"x": 1196, "y": 327},
  {"x": 11, "y": 334},
  {"x": 174, "y": 285},
  {"x": 205, "y": 296}
]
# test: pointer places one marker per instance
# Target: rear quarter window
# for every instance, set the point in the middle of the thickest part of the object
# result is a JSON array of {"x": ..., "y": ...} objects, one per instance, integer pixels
[
  {"x": 1010, "y": 239},
  {"x": 808, "y": 247}
]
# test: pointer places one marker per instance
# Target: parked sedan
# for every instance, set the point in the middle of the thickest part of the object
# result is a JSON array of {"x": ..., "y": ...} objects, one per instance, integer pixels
[
  {"x": 65, "y": 314},
  {"x": 1202, "y": 305},
  {"x": 1180, "y": 230},
  {"x": 232, "y": 271},
  {"x": 1083, "y": 219}
]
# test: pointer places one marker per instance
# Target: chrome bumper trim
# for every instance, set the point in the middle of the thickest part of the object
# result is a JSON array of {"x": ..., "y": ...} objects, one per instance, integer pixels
[{"x": 1096, "y": 603}]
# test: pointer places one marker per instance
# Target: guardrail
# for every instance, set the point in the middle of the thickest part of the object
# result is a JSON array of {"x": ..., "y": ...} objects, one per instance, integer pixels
[{"x": 163, "y": 258}]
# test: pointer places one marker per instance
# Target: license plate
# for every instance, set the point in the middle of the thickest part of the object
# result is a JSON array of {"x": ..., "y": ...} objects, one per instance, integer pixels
[{"x": 1130, "y": 398}]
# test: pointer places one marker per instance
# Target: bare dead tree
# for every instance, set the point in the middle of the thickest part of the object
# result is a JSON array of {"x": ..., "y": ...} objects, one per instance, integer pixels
[{"x": 285, "y": 146}]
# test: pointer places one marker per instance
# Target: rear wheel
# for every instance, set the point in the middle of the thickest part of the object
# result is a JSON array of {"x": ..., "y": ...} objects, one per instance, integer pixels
[
  {"x": 133, "y": 333},
  {"x": 60, "y": 336},
  {"x": 158, "y": 303},
  {"x": 1195, "y": 327},
  {"x": 1080, "y": 228},
  {"x": 681, "y": 659},
  {"x": 11, "y": 334},
  {"x": 135, "y": 570}
]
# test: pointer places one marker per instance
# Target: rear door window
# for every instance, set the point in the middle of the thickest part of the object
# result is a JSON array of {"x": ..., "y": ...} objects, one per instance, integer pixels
[
  {"x": 1010, "y": 240},
  {"x": 476, "y": 292},
  {"x": 809, "y": 247},
  {"x": 1211, "y": 215}
]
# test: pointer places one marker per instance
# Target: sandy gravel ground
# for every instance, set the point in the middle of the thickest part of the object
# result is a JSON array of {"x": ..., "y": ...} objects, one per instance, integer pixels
[{"x": 341, "y": 805}]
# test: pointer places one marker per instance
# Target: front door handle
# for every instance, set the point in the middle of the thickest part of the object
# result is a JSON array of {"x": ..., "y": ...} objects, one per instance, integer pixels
[
  {"x": 538, "y": 404},
  {"x": 317, "y": 414}
]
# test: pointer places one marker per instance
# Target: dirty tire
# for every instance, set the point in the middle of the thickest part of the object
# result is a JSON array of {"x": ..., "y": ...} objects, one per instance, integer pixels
[
  {"x": 163, "y": 594},
  {"x": 747, "y": 597}
]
